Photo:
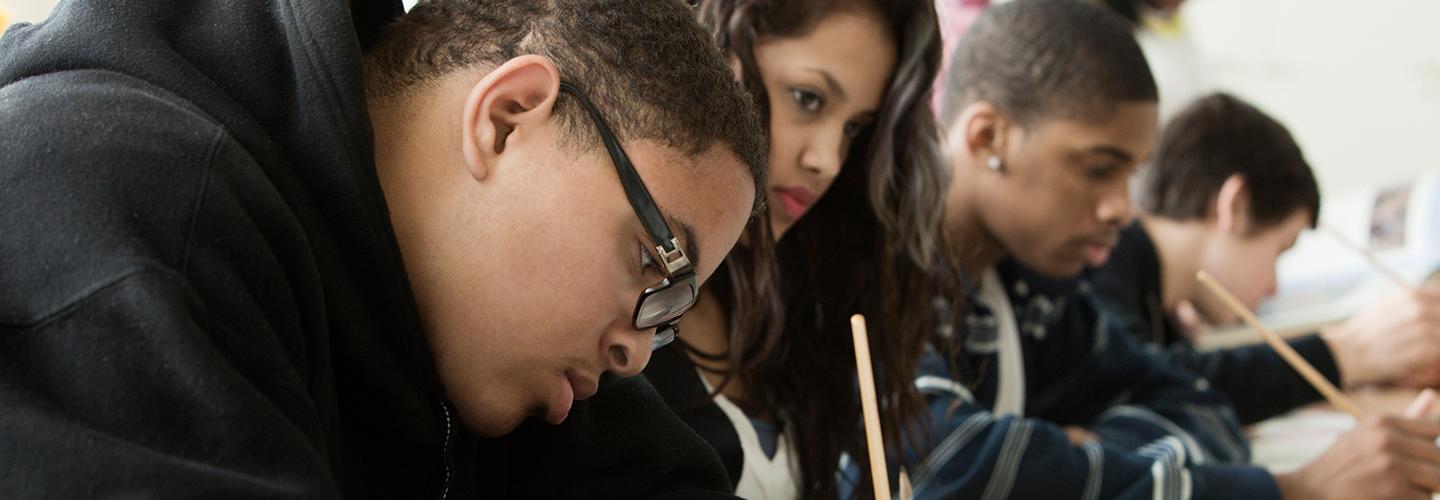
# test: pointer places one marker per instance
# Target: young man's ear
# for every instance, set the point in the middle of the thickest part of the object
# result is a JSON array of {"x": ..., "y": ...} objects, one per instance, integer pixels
[
  {"x": 519, "y": 93},
  {"x": 980, "y": 133},
  {"x": 1231, "y": 204}
]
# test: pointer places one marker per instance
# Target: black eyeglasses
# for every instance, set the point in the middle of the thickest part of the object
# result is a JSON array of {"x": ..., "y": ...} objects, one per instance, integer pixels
[{"x": 659, "y": 306}]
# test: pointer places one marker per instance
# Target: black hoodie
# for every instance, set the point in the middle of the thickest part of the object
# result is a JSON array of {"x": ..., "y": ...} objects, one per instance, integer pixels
[{"x": 201, "y": 293}]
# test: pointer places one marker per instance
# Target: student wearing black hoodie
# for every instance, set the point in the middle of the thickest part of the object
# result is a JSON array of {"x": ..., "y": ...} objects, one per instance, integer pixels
[{"x": 243, "y": 258}]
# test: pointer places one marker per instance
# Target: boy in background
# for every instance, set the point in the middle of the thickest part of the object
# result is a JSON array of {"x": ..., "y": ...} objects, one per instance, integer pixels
[
  {"x": 1050, "y": 108},
  {"x": 1228, "y": 192}
]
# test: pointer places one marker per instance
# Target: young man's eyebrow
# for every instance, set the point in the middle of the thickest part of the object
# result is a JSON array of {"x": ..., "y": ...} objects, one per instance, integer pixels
[
  {"x": 830, "y": 82},
  {"x": 1111, "y": 151}
]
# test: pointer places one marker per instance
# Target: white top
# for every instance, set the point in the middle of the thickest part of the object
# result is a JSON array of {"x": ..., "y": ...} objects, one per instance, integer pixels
[
  {"x": 1010, "y": 397},
  {"x": 761, "y": 477}
]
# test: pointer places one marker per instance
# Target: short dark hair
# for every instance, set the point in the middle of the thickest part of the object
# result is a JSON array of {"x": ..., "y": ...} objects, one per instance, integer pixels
[
  {"x": 647, "y": 64},
  {"x": 1038, "y": 59},
  {"x": 1219, "y": 136}
]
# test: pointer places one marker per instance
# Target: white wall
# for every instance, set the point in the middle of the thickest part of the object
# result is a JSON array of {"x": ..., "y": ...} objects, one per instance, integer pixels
[
  {"x": 1357, "y": 83},
  {"x": 27, "y": 10}
]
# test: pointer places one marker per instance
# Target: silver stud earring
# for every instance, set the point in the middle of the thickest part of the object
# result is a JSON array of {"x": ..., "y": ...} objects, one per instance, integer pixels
[{"x": 994, "y": 163}]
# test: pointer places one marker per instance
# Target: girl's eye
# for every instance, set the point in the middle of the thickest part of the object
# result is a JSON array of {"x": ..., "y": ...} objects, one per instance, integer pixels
[
  {"x": 853, "y": 129},
  {"x": 807, "y": 100}
]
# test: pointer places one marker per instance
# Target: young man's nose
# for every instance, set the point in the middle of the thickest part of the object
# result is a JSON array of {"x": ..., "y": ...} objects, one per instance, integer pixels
[
  {"x": 1116, "y": 208},
  {"x": 627, "y": 350}
]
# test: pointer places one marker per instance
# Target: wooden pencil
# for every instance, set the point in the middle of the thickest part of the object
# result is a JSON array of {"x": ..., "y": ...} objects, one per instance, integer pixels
[
  {"x": 1420, "y": 407},
  {"x": 906, "y": 491},
  {"x": 1331, "y": 393},
  {"x": 1374, "y": 261},
  {"x": 879, "y": 474}
]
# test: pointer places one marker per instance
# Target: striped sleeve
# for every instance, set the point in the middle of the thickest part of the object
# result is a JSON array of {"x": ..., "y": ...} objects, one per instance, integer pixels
[
  {"x": 972, "y": 453},
  {"x": 1163, "y": 406}
]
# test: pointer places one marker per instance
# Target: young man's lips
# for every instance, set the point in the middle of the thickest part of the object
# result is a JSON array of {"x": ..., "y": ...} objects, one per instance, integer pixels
[
  {"x": 581, "y": 387},
  {"x": 794, "y": 200},
  {"x": 559, "y": 409},
  {"x": 574, "y": 387},
  {"x": 1097, "y": 254}
]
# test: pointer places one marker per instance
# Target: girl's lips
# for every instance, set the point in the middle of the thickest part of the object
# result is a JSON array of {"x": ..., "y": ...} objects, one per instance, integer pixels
[{"x": 794, "y": 201}]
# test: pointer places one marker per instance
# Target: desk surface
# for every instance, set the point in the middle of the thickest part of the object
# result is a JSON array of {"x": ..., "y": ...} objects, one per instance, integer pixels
[{"x": 1287, "y": 442}]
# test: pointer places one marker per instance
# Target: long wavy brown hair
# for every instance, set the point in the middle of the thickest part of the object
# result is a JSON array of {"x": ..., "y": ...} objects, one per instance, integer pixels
[{"x": 871, "y": 244}]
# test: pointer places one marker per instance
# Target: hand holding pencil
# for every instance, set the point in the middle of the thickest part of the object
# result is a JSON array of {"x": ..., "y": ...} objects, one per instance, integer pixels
[
  {"x": 1381, "y": 457},
  {"x": 1395, "y": 340}
]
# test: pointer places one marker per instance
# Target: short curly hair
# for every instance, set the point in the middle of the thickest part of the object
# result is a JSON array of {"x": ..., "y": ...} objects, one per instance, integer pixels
[{"x": 647, "y": 63}]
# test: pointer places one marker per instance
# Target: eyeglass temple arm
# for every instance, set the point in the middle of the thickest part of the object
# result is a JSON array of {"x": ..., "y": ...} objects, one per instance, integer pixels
[{"x": 635, "y": 190}]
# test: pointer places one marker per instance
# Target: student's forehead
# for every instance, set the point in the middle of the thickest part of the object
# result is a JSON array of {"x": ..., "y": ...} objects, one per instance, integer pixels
[
  {"x": 1127, "y": 125},
  {"x": 1101, "y": 140}
]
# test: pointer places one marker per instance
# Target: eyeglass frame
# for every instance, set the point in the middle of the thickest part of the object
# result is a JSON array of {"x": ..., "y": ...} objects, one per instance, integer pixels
[{"x": 677, "y": 266}]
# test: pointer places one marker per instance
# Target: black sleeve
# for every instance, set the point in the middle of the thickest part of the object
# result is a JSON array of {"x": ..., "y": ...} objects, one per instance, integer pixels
[
  {"x": 118, "y": 376},
  {"x": 1130, "y": 287},
  {"x": 126, "y": 391},
  {"x": 1257, "y": 380},
  {"x": 622, "y": 443},
  {"x": 674, "y": 377}
]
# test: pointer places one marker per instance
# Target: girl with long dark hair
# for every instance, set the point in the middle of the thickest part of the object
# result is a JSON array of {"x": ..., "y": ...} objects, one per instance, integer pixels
[{"x": 764, "y": 369}]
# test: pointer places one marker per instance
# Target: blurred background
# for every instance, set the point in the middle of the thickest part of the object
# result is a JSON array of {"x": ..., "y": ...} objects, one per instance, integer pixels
[{"x": 1358, "y": 83}]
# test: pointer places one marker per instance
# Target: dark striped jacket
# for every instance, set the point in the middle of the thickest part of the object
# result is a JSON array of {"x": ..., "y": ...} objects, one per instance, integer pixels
[{"x": 1164, "y": 433}]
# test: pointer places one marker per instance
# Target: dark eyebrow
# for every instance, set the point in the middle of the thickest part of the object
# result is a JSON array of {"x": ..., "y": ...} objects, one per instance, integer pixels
[
  {"x": 830, "y": 82},
  {"x": 1111, "y": 151}
]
